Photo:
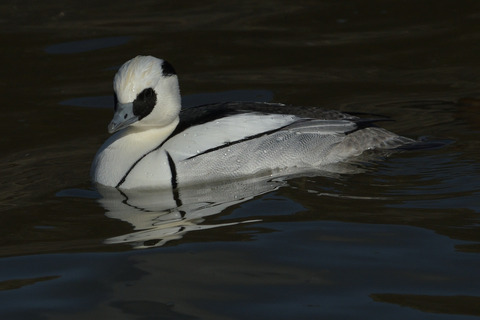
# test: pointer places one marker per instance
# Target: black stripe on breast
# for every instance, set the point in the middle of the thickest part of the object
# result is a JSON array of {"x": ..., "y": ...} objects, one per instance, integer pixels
[
  {"x": 140, "y": 159},
  {"x": 130, "y": 169},
  {"x": 173, "y": 171}
]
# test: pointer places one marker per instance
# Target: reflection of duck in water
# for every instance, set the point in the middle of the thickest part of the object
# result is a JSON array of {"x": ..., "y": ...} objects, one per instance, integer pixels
[
  {"x": 157, "y": 145},
  {"x": 157, "y": 216}
]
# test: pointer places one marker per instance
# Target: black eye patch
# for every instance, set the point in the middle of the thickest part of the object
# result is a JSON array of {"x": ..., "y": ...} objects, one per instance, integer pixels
[{"x": 144, "y": 103}]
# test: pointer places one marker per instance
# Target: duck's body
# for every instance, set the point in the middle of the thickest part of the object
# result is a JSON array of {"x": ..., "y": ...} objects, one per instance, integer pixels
[{"x": 159, "y": 146}]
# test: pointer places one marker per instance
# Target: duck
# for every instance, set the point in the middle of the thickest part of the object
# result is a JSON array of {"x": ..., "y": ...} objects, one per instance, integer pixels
[{"x": 157, "y": 144}]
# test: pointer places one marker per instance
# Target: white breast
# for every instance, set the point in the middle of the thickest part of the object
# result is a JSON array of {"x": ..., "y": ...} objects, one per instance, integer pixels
[
  {"x": 152, "y": 171},
  {"x": 120, "y": 153}
]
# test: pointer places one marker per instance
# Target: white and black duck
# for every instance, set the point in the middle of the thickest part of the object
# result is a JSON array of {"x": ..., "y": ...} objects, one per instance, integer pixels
[{"x": 156, "y": 144}]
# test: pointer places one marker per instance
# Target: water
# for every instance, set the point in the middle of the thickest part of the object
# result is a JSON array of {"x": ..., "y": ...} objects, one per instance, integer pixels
[{"x": 398, "y": 239}]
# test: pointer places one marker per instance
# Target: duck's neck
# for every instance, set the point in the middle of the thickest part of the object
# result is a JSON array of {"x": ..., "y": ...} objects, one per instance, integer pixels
[
  {"x": 122, "y": 150},
  {"x": 146, "y": 137}
]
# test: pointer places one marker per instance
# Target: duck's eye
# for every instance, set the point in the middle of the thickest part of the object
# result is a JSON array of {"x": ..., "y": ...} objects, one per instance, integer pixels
[{"x": 146, "y": 94}]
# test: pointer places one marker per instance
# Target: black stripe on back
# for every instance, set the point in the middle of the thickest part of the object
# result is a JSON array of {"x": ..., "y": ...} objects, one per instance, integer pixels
[
  {"x": 245, "y": 139},
  {"x": 191, "y": 117}
]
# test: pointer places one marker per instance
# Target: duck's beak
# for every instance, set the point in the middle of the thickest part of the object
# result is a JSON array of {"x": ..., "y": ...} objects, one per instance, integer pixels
[{"x": 123, "y": 117}]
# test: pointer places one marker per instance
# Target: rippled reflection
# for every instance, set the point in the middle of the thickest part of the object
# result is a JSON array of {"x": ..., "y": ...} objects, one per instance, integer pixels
[
  {"x": 162, "y": 215},
  {"x": 159, "y": 216}
]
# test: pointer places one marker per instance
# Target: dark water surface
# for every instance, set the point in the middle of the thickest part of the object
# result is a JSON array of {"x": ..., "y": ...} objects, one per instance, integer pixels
[{"x": 400, "y": 239}]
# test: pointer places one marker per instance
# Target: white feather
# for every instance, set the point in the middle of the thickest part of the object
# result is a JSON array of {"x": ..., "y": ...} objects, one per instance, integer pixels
[{"x": 200, "y": 138}]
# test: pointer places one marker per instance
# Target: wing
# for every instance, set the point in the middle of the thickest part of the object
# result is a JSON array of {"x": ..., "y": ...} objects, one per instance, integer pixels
[
  {"x": 224, "y": 131},
  {"x": 221, "y": 131}
]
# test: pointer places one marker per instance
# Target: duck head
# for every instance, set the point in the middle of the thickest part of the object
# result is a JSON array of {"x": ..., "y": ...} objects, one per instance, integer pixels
[{"x": 146, "y": 94}]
